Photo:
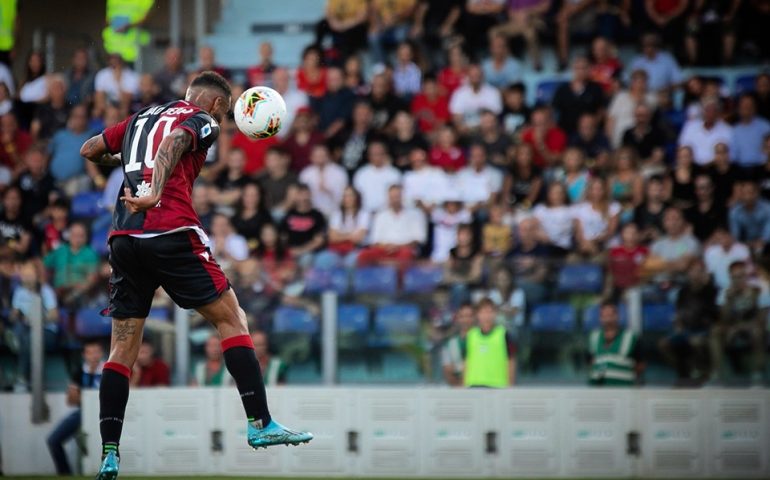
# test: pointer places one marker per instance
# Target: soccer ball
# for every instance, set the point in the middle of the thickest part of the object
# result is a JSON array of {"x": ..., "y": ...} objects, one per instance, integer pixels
[{"x": 259, "y": 112}]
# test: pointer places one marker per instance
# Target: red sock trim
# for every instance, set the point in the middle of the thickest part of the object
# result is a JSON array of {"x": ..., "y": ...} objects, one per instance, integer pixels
[
  {"x": 119, "y": 368},
  {"x": 237, "y": 341}
]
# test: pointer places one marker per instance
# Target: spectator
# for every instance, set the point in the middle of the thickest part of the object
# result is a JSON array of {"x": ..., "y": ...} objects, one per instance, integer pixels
[
  {"x": 348, "y": 228},
  {"x": 455, "y": 73},
  {"x": 682, "y": 178},
  {"x": 346, "y": 22},
  {"x": 73, "y": 267},
  {"x": 529, "y": 260},
  {"x": 115, "y": 84},
  {"x": 621, "y": 114},
  {"x": 556, "y": 219},
  {"x": 389, "y": 24},
  {"x": 526, "y": 18},
  {"x": 446, "y": 153},
  {"x": 275, "y": 259},
  {"x": 54, "y": 229},
  {"x": 508, "y": 298},
  {"x": 676, "y": 249},
  {"x": 478, "y": 184},
  {"x": 708, "y": 214},
  {"x": 469, "y": 100},
  {"x": 590, "y": 139},
  {"x": 350, "y": 143},
  {"x": 496, "y": 239},
  {"x": 515, "y": 112},
  {"x": 447, "y": 221},
  {"x": 576, "y": 175},
  {"x": 67, "y": 166},
  {"x": 15, "y": 229},
  {"x": 495, "y": 141},
  {"x": 172, "y": 78},
  {"x": 430, "y": 107},
  {"x": 500, "y": 69},
  {"x": 490, "y": 358},
  {"x": 22, "y": 307},
  {"x": 463, "y": 266},
  {"x": 230, "y": 181},
  {"x": 385, "y": 104},
  {"x": 403, "y": 140},
  {"x": 275, "y": 180},
  {"x": 711, "y": 31},
  {"x": 453, "y": 351},
  {"x": 262, "y": 72},
  {"x": 626, "y": 183},
  {"x": 648, "y": 216},
  {"x": 14, "y": 140},
  {"x": 89, "y": 377},
  {"x": 723, "y": 252},
  {"x": 686, "y": 348},
  {"x": 302, "y": 139},
  {"x": 703, "y": 134},
  {"x": 211, "y": 371},
  {"x": 724, "y": 174},
  {"x": 742, "y": 321},
  {"x": 547, "y": 140},
  {"x": 424, "y": 186},
  {"x": 749, "y": 134},
  {"x": 149, "y": 94},
  {"x": 326, "y": 180},
  {"x": 663, "y": 71},
  {"x": 626, "y": 259},
  {"x": 79, "y": 78},
  {"x": 524, "y": 184},
  {"x": 435, "y": 21},
  {"x": 762, "y": 93},
  {"x": 335, "y": 106},
  {"x": 251, "y": 214},
  {"x": 201, "y": 201},
  {"x": 667, "y": 17},
  {"x": 596, "y": 219},
  {"x": 406, "y": 74},
  {"x": 255, "y": 150},
  {"x": 375, "y": 178},
  {"x": 397, "y": 232},
  {"x": 614, "y": 351},
  {"x": 295, "y": 99},
  {"x": 207, "y": 62},
  {"x": 354, "y": 76},
  {"x": 573, "y": 18},
  {"x": 149, "y": 370},
  {"x": 273, "y": 369},
  {"x": 311, "y": 75},
  {"x": 580, "y": 95},
  {"x": 605, "y": 65},
  {"x": 645, "y": 138},
  {"x": 478, "y": 17},
  {"x": 35, "y": 183},
  {"x": 33, "y": 89},
  {"x": 303, "y": 228},
  {"x": 750, "y": 217},
  {"x": 51, "y": 116}
]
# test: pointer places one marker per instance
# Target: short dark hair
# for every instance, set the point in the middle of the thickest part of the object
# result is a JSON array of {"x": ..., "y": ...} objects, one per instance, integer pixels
[
  {"x": 209, "y": 79},
  {"x": 486, "y": 302}
]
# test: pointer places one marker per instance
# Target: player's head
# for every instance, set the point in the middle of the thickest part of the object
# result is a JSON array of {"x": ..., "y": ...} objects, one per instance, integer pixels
[{"x": 211, "y": 92}]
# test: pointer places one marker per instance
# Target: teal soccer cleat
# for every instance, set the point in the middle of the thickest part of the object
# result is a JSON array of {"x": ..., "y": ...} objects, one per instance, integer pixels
[
  {"x": 275, "y": 434},
  {"x": 109, "y": 468}
]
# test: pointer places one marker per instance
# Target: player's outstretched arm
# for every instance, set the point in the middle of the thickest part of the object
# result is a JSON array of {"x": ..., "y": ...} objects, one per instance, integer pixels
[
  {"x": 95, "y": 150},
  {"x": 170, "y": 150}
]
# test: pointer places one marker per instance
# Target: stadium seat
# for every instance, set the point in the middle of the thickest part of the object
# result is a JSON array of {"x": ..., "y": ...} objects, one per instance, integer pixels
[
  {"x": 396, "y": 325},
  {"x": 553, "y": 317},
  {"x": 546, "y": 90},
  {"x": 294, "y": 320},
  {"x": 99, "y": 241},
  {"x": 744, "y": 84},
  {"x": 89, "y": 322},
  {"x": 352, "y": 319},
  {"x": 657, "y": 317},
  {"x": 581, "y": 278},
  {"x": 591, "y": 316},
  {"x": 86, "y": 205},
  {"x": 321, "y": 280},
  {"x": 375, "y": 280},
  {"x": 422, "y": 278}
]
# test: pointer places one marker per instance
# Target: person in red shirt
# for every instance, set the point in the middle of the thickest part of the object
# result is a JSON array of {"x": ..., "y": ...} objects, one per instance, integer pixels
[
  {"x": 430, "y": 107},
  {"x": 454, "y": 74},
  {"x": 446, "y": 154},
  {"x": 14, "y": 142},
  {"x": 627, "y": 258},
  {"x": 255, "y": 151},
  {"x": 261, "y": 73},
  {"x": 605, "y": 66},
  {"x": 311, "y": 75},
  {"x": 547, "y": 140},
  {"x": 303, "y": 138},
  {"x": 149, "y": 371}
]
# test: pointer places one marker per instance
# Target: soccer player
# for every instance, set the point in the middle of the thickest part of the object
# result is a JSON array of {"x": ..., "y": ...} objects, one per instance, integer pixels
[{"x": 157, "y": 240}]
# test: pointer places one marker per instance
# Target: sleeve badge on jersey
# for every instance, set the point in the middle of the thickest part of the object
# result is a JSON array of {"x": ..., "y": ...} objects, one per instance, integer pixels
[{"x": 206, "y": 130}]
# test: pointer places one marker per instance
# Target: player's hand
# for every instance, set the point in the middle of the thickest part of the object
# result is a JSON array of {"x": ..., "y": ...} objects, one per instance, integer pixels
[{"x": 138, "y": 204}]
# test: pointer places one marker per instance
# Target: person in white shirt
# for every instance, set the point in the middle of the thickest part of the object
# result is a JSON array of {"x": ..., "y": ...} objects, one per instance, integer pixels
[
  {"x": 703, "y": 134},
  {"x": 446, "y": 220},
  {"x": 556, "y": 218},
  {"x": 596, "y": 219},
  {"x": 478, "y": 184},
  {"x": 348, "y": 228},
  {"x": 294, "y": 99},
  {"x": 374, "y": 178},
  {"x": 425, "y": 186},
  {"x": 116, "y": 84},
  {"x": 470, "y": 99},
  {"x": 326, "y": 179},
  {"x": 227, "y": 246},
  {"x": 722, "y": 253},
  {"x": 397, "y": 232}
]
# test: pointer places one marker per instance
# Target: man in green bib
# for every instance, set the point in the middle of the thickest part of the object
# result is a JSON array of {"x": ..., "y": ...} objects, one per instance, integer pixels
[
  {"x": 490, "y": 353},
  {"x": 614, "y": 351}
]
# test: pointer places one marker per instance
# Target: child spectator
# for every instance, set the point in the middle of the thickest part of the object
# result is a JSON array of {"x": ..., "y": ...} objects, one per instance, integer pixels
[
  {"x": 496, "y": 237},
  {"x": 626, "y": 259}
]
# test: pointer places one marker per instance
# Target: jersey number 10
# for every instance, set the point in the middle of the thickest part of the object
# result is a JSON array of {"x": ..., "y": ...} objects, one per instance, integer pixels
[{"x": 134, "y": 163}]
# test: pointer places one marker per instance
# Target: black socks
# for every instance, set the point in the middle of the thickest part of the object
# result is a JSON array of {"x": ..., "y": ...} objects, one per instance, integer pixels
[{"x": 241, "y": 362}]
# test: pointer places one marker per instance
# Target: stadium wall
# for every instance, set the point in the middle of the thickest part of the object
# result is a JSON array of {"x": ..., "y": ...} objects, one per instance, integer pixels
[{"x": 425, "y": 432}]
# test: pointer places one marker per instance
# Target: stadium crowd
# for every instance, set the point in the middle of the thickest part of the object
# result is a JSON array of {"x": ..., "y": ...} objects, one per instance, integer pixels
[{"x": 410, "y": 142}]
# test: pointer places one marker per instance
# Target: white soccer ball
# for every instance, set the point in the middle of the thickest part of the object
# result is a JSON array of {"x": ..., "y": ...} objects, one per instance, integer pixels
[{"x": 259, "y": 112}]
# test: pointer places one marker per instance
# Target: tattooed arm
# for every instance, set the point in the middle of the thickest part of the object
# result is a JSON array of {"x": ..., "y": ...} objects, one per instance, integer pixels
[
  {"x": 169, "y": 152},
  {"x": 95, "y": 150}
]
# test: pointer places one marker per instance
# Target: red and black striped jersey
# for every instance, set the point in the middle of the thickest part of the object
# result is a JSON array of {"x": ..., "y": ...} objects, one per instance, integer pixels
[{"x": 138, "y": 138}]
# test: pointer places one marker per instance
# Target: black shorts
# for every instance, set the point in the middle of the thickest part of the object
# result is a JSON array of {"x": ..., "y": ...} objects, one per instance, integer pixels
[{"x": 179, "y": 262}]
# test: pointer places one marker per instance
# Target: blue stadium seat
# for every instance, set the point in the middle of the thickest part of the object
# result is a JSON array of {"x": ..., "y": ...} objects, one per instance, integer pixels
[
  {"x": 591, "y": 316},
  {"x": 320, "y": 280},
  {"x": 396, "y": 325},
  {"x": 353, "y": 319},
  {"x": 546, "y": 90},
  {"x": 581, "y": 278},
  {"x": 744, "y": 84},
  {"x": 375, "y": 280},
  {"x": 99, "y": 241},
  {"x": 294, "y": 320},
  {"x": 86, "y": 205},
  {"x": 553, "y": 317},
  {"x": 422, "y": 278},
  {"x": 89, "y": 322},
  {"x": 657, "y": 317}
]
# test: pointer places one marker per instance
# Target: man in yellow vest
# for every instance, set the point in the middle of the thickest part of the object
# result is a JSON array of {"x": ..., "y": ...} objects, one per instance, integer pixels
[
  {"x": 490, "y": 353},
  {"x": 122, "y": 34},
  {"x": 614, "y": 351},
  {"x": 8, "y": 25}
]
